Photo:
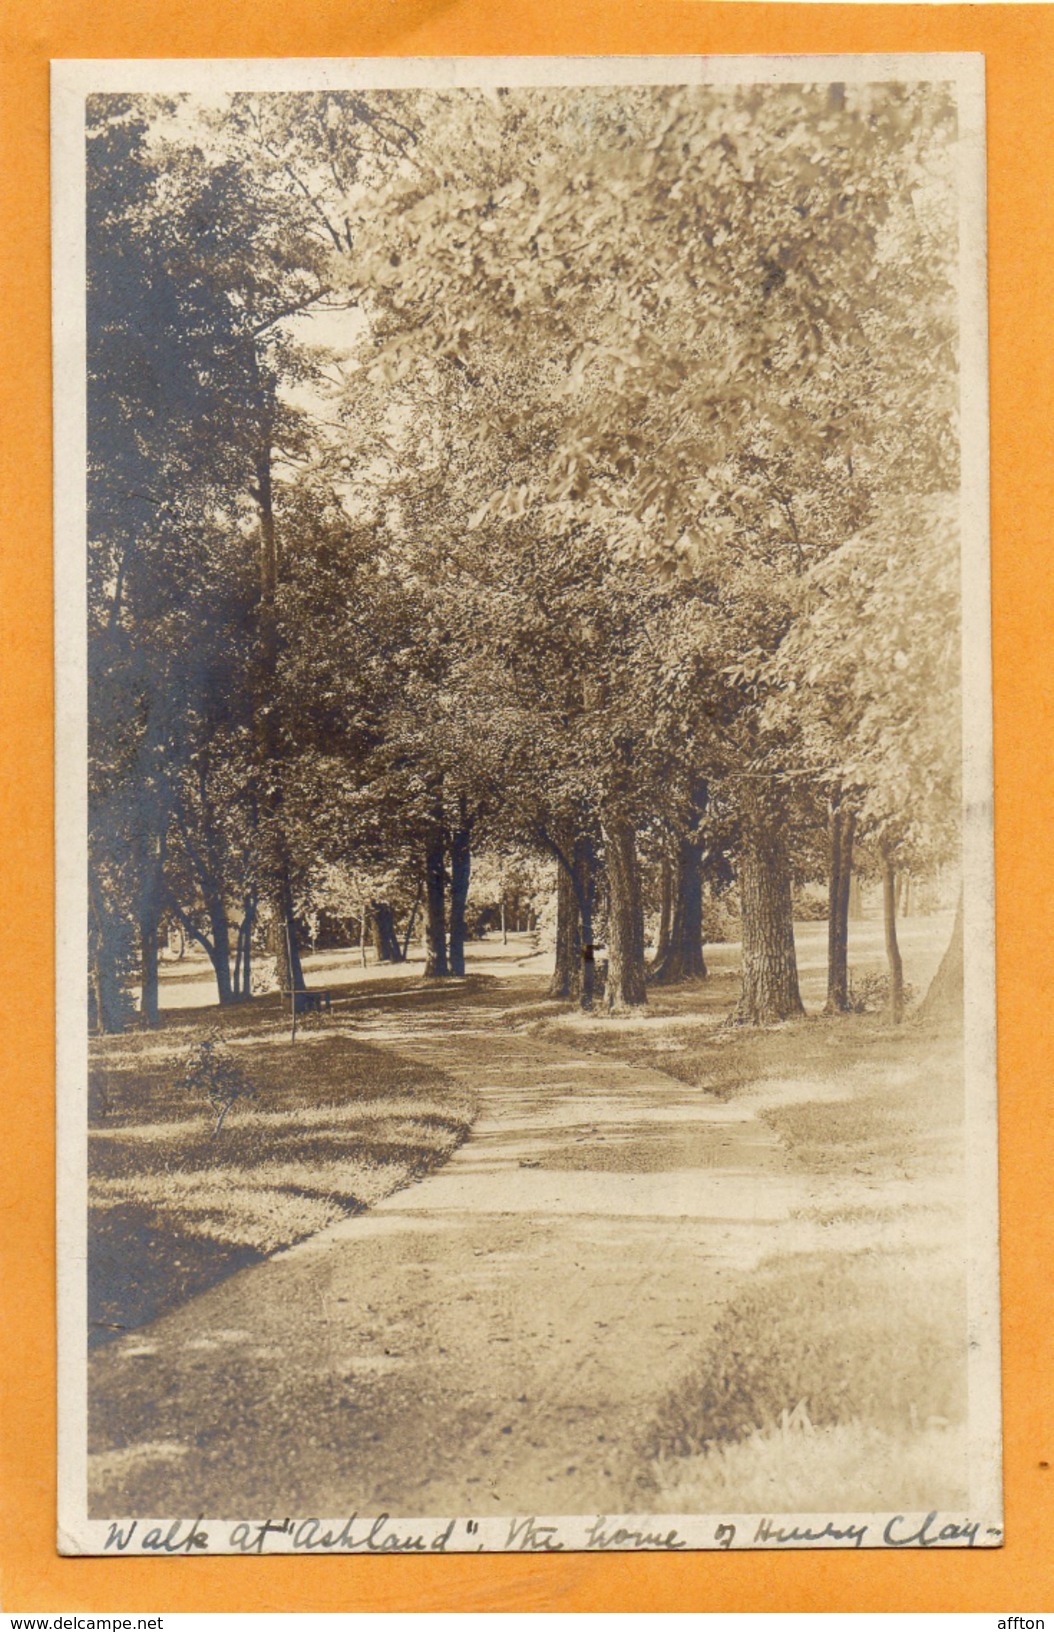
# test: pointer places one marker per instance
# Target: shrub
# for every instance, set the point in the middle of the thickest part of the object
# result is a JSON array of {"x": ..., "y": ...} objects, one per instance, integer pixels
[
  {"x": 212, "y": 1074},
  {"x": 869, "y": 994}
]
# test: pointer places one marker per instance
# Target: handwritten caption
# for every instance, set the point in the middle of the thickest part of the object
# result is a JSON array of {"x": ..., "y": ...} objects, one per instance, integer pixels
[{"x": 187, "y": 1538}]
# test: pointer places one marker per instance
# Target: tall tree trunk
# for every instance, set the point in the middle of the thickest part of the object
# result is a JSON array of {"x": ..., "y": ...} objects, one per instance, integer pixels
[
  {"x": 584, "y": 874},
  {"x": 149, "y": 1006},
  {"x": 460, "y": 877},
  {"x": 684, "y": 958},
  {"x": 625, "y": 988},
  {"x": 243, "y": 951},
  {"x": 666, "y": 895},
  {"x": 436, "y": 964},
  {"x": 944, "y": 1000},
  {"x": 889, "y": 918},
  {"x": 567, "y": 973},
  {"x": 770, "y": 970},
  {"x": 106, "y": 984},
  {"x": 151, "y": 901},
  {"x": 284, "y": 945},
  {"x": 220, "y": 949},
  {"x": 842, "y": 830},
  {"x": 385, "y": 941}
]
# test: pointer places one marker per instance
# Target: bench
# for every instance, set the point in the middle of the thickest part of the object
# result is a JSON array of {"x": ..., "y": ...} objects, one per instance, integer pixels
[{"x": 309, "y": 1002}]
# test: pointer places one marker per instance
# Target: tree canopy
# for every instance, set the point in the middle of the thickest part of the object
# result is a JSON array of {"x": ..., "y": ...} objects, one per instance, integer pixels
[{"x": 541, "y": 472}]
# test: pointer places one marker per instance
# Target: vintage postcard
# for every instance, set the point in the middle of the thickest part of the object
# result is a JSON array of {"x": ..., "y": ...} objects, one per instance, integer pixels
[{"x": 526, "y": 992}]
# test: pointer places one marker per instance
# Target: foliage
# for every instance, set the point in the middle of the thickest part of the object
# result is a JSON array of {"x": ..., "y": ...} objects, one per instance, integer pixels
[
  {"x": 212, "y": 1074},
  {"x": 618, "y": 486},
  {"x": 869, "y": 994},
  {"x": 870, "y": 675}
]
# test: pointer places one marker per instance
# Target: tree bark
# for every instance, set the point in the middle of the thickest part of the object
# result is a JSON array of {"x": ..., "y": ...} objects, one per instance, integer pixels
[
  {"x": 842, "y": 830},
  {"x": 436, "y": 964},
  {"x": 684, "y": 959},
  {"x": 385, "y": 941},
  {"x": 770, "y": 970},
  {"x": 151, "y": 901},
  {"x": 584, "y": 876},
  {"x": 567, "y": 974},
  {"x": 220, "y": 953},
  {"x": 217, "y": 949},
  {"x": 625, "y": 988},
  {"x": 149, "y": 1006},
  {"x": 944, "y": 1000},
  {"x": 106, "y": 985},
  {"x": 460, "y": 878},
  {"x": 666, "y": 896},
  {"x": 889, "y": 918},
  {"x": 284, "y": 946},
  {"x": 243, "y": 952}
]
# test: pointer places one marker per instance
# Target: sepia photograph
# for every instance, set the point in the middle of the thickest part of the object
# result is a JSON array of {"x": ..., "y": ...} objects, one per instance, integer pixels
[{"x": 526, "y": 1037}]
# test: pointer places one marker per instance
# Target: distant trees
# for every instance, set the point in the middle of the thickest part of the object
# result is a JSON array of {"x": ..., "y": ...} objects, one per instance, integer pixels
[{"x": 617, "y": 533}]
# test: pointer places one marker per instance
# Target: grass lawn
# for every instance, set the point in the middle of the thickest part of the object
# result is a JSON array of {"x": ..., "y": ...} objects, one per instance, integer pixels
[
  {"x": 834, "y": 1378},
  {"x": 333, "y": 1125}
]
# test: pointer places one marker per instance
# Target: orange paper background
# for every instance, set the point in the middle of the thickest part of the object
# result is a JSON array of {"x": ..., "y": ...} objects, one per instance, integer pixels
[{"x": 1018, "y": 42}]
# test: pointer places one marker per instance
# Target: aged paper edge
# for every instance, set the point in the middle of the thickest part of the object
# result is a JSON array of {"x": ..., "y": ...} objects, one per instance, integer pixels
[{"x": 72, "y": 81}]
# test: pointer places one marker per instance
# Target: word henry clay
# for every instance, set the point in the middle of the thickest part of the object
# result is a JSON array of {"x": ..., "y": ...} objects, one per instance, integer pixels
[{"x": 526, "y": 1042}]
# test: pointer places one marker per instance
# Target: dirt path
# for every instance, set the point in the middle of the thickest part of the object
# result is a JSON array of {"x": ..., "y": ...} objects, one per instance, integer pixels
[{"x": 493, "y": 1339}]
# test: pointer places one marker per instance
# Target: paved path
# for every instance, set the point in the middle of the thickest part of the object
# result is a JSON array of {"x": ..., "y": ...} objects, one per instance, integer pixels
[{"x": 493, "y": 1339}]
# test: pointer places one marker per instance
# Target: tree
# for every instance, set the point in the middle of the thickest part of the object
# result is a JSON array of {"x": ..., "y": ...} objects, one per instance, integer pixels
[
  {"x": 537, "y": 560},
  {"x": 737, "y": 402},
  {"x": 201, "y": 246},
  {"x": 871, "y": 676},
  {"x": 680, "y": 956}
]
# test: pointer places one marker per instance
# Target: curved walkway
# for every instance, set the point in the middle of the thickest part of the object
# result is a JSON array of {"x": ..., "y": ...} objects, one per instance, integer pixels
[{"x": 493, "y": 1339}]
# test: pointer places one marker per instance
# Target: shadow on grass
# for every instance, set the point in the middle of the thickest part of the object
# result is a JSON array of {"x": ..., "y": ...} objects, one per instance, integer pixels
[
  {"x": 333, "y": 1125},
  {"x": 141, "y": 1266}
]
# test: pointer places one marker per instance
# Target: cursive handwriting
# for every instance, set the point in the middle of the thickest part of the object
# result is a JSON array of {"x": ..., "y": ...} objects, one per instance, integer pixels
[
  {"x": 767, "y": 1532},
  {"x": 315, "y": 1536},
  {"x": 528, "y": 1536},
  {"x": 925, "y": 1536},
  {"x": 598, "y": 1538},
  {"x": 522, "y": 1534}
]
